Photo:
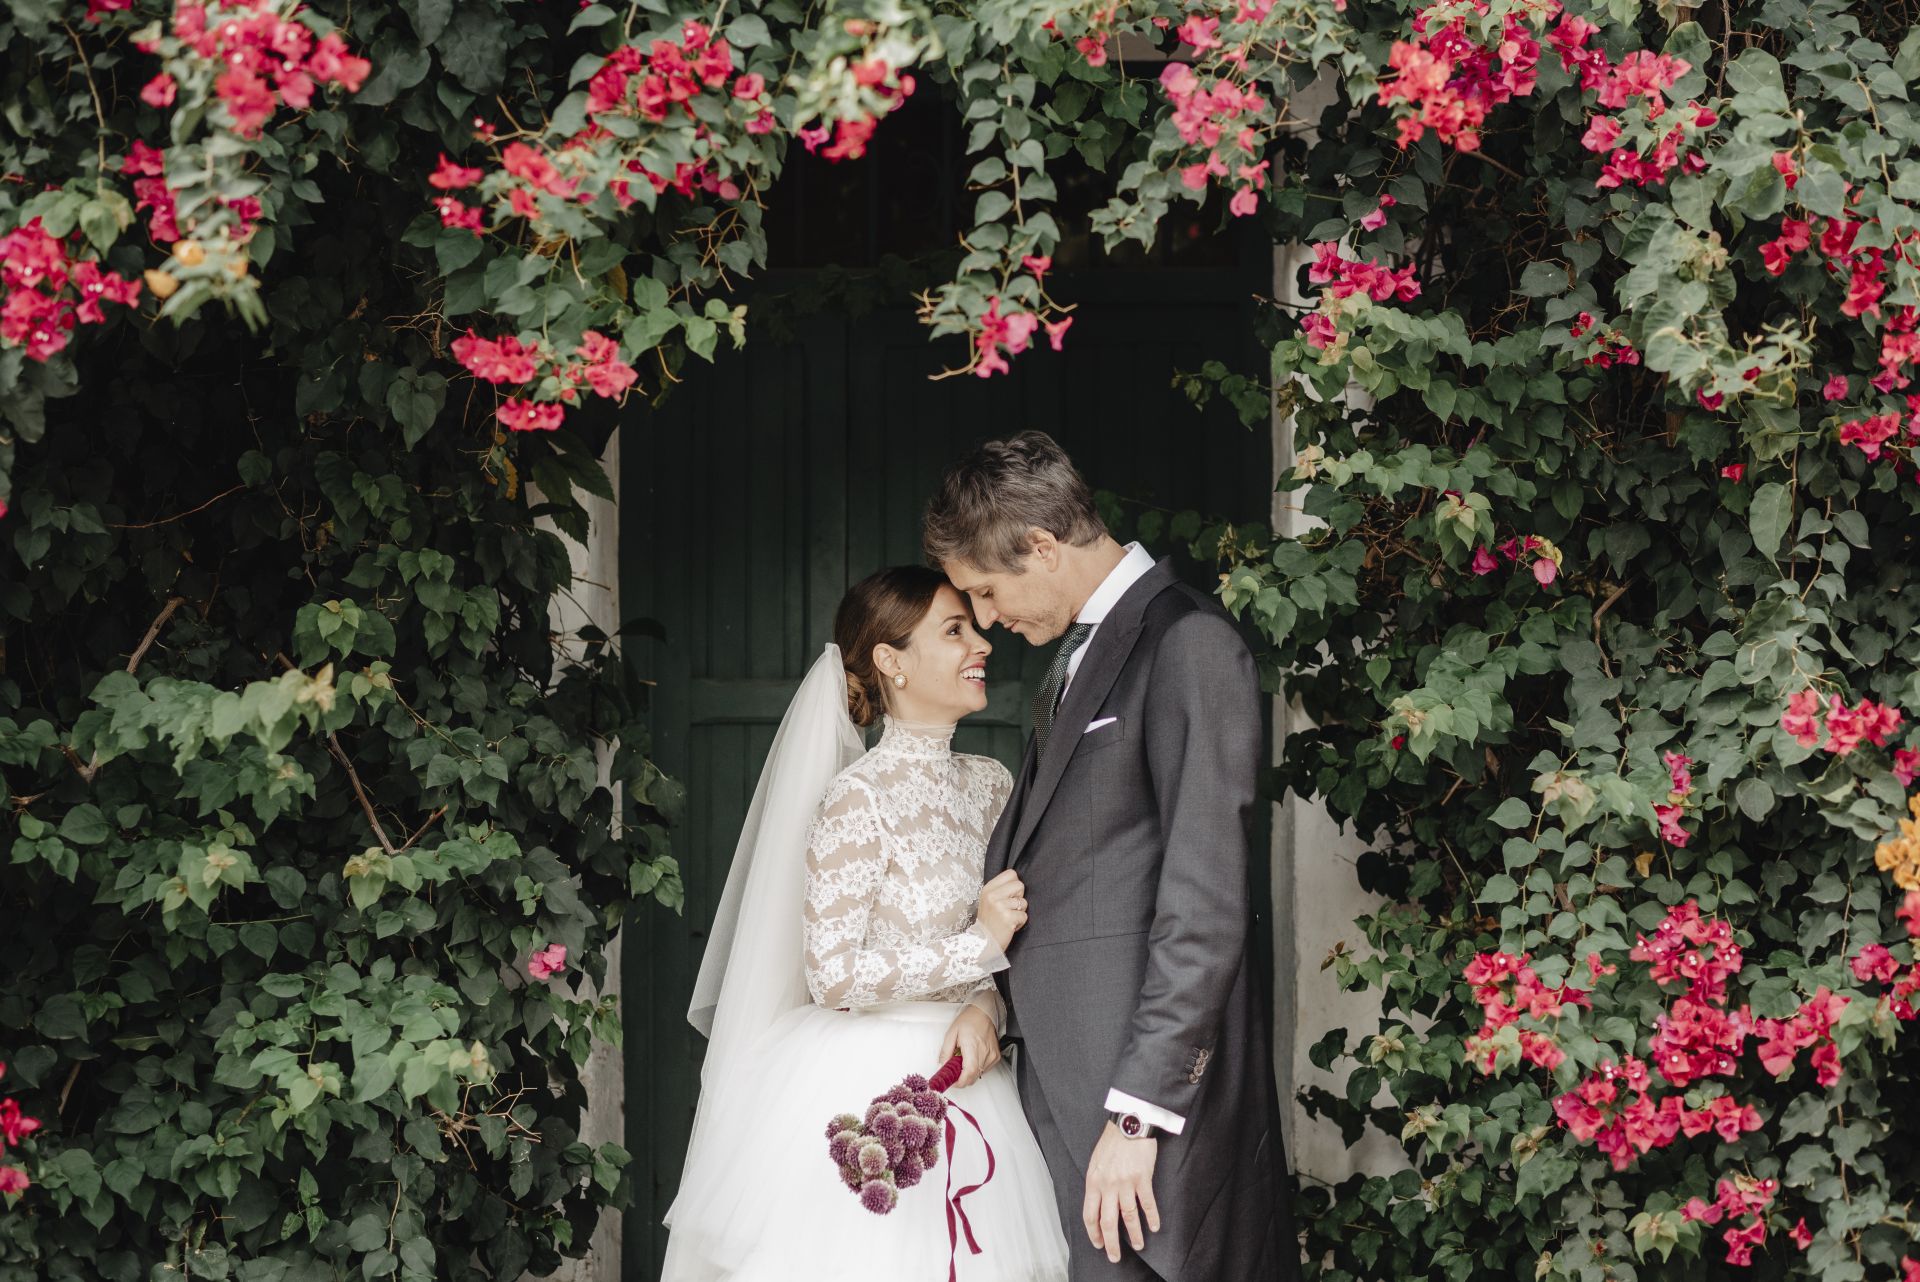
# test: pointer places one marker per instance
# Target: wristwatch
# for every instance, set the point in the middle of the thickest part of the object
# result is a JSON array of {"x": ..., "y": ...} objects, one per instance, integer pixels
[{"x": 1133, "y": 1126}]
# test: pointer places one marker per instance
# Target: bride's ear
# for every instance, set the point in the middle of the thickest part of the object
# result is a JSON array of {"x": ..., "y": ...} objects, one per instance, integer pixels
[{"x": 886, "y": 662}]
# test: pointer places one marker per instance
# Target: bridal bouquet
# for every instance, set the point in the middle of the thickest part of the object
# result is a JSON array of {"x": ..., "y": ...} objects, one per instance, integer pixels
[{"x": 898, "y": 1140}]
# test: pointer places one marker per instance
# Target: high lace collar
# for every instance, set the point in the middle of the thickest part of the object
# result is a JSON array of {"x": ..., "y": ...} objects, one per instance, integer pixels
[{"x": 915, "y": 739}]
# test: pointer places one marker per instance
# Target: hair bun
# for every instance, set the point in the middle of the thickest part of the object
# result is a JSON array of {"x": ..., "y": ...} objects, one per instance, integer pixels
[{"x": 859, "y": 702}]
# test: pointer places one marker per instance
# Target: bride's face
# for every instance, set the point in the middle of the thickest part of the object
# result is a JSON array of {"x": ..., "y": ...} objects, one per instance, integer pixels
[{"x": 945, "y": 662}]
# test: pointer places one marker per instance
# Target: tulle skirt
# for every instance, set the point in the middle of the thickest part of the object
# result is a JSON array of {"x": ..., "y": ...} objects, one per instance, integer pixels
[{"x": 762, "y": 1201}]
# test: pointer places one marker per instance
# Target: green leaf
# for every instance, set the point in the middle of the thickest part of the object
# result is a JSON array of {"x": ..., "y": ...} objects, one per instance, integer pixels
[
  {"x": 84, "y": 825},
  {"x": 474, "y": 48},
  {"x": 1771, "y": 510},
  {"x": 1499, "y": 889},
  {"x": 1512, "y": 813},
  {"x": 430, "y": 18}
]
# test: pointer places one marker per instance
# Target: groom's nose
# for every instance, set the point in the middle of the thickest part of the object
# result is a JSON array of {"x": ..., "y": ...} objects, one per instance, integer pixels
[{"x": 983, "y": 612}]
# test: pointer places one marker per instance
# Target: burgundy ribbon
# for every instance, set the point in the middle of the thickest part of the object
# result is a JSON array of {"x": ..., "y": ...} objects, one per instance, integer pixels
[{"x": 957, "y": 1222}]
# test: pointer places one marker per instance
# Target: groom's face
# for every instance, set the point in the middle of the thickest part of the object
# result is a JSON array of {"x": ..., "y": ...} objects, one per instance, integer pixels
[{"x": 1030, "y": 603}]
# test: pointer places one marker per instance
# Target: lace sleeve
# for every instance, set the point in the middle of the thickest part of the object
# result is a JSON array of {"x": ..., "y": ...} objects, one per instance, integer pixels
[
  {"x": 846, "y": 866},
  {"x": 1000, "y": 781}
]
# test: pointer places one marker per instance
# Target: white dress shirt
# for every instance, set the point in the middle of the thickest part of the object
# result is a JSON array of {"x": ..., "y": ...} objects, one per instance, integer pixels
[{"x": 1132, "y": 566}]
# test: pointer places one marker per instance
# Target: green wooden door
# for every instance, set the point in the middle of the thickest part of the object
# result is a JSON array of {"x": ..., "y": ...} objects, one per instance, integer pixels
[{"x": 777, "y": 477}]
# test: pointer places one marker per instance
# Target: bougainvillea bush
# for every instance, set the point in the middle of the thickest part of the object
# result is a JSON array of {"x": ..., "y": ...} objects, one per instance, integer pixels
[{"x": 1607, "y": 417}]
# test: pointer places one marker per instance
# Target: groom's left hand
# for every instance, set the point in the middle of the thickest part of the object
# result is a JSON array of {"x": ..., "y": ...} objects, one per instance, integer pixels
[{"x": 1120, "y": 1189}]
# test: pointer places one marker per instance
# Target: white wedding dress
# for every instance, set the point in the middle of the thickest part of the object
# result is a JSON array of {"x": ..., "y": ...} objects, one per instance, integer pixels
[{"x": 890, "y": 953}]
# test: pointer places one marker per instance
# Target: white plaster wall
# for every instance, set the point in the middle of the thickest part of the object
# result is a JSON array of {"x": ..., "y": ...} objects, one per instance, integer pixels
[
  {"x": 595, "y": 598},
  {"x": 1317, "y": 896}
]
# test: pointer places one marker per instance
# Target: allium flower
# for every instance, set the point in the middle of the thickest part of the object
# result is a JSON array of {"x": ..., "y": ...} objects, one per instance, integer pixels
[
  {"x": 873, "y": 1158},
  {"x": 878, "y": 1196}
]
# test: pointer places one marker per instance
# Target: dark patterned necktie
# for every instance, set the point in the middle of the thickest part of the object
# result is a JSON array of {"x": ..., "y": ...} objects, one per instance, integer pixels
[{"x": 1047, "y": 697}]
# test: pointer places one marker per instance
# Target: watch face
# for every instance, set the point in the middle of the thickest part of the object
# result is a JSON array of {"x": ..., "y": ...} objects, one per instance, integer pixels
[{"x": 1130, "y": 1126}]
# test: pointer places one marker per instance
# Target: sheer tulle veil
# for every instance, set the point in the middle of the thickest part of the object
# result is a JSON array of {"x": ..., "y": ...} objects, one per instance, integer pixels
[{"x": 753, "y": 969}]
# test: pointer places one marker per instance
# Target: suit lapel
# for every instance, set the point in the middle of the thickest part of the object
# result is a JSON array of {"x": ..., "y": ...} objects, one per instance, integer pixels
[
  {"x": 1100, "y": 667},
  {"x": 1000, "y": 842}
]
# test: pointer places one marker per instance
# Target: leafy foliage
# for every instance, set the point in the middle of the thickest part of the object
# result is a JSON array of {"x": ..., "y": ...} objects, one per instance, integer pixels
[
  {"x": 295, "y": 786},
  {"x": 1592, "y": 497}
]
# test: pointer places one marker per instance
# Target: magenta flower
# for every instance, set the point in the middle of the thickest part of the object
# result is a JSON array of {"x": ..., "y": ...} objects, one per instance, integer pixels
[{"x": 548, "y": 962}]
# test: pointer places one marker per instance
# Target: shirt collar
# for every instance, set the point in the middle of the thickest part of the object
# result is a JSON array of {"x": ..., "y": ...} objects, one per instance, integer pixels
[{"x": 1132, "y": 567}]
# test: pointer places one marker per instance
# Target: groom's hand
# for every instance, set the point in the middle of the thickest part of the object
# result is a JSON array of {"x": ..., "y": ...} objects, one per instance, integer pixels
[
  {"x": 972, "y": 1034},
  {"x": 1120, "y": 1190}
]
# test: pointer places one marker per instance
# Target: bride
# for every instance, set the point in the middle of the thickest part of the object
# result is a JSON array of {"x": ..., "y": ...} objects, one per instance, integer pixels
[{"x": 853, "y": 927}]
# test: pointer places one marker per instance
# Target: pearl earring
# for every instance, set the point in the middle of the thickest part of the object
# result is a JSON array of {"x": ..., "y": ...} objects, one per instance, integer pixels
[{"x": 900, "y": 680}]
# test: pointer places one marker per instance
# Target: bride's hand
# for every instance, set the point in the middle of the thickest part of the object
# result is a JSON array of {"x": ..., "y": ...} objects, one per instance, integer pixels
[
  {"x": 973, "y": 1035},
  {"x": 1003, "y": 907}
]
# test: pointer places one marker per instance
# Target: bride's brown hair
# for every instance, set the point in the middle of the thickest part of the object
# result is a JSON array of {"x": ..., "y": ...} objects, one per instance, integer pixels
[{"x": 881, "y": 609}]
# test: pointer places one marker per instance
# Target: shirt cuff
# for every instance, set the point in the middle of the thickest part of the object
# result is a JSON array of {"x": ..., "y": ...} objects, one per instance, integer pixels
[{"x": 1152, "y": 1114}]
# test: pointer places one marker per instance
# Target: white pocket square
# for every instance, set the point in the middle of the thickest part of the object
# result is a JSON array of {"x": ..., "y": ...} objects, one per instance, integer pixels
[{"x": 1095, "y": 725}]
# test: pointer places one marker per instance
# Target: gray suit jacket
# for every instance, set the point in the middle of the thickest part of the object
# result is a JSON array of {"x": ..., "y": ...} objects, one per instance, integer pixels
[{"x": 1133, "y": 970}]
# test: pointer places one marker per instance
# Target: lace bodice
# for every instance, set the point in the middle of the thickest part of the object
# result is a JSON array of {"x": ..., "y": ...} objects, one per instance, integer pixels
[{"x": 894, "y": 865}]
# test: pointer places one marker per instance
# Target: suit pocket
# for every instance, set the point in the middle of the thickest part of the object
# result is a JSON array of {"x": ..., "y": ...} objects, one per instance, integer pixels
[{"x": 1102, "y": 732}]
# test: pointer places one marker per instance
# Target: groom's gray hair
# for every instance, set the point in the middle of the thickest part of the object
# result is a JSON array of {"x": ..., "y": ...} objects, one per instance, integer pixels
[{"x": 986, "y": 510}]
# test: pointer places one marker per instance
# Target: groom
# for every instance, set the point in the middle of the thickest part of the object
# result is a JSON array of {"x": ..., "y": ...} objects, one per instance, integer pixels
[{"x": 1144, "y": 1065}]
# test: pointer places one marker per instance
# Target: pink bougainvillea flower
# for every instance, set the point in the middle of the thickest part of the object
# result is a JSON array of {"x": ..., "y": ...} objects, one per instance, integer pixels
[
  {"x": 1483, "y": 562},
  {"x": 1906, "y": 766},
  {"x": 1874, "y": 962},
  {"x": 1670, "y": 830},
  {"x": 1377, "y": 218},
  {"x": 519, "y": 415},
  {"x": 13, "y": 1181},
  {"x": 1802, "y": 718},
  {"x": 1201, "y": 33},
  {"x": 1835, "y": 388},
  {"x": 1057, "y": 331},
  {"x": 159, "y": 91},
  {"x": 751, "y": 85},
  {"x": 1679, "y": 771},
  {"x": 1038, "y": 265},
  {"x": 448, "y": 176},
  {"x": 1826, "y": 1064},
  {"x": 1602, "y": 132},
  {"x": 459, "y": 214},
  {"x": 1545, "y": 571},
  {"x": 1319, "y": 330},
  {"x": 1735, "y": 472},
  {"x": 548, "y": 962},
  {"x": 15, "y": 1126},
  {"x": 503, "y": 360}
]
